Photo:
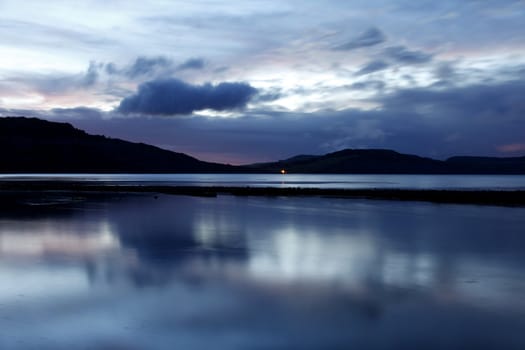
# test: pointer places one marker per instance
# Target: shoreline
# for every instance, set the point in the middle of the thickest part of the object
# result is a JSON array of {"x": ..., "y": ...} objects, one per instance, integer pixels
[{"x": 10, "y": 190}]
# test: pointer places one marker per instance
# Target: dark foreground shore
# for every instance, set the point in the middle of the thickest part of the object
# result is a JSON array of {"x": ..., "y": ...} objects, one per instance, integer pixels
[{"x": 11, "y": 190}]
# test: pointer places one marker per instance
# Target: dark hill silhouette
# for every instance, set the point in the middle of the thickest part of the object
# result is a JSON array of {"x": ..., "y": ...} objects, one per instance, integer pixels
[
  {"x": 31, "y": 145},
  {"x": 35, "y": 145},
  {"x": 487, "y": 165},
  {"x": 382, "y": 161},
  {"x": 358, "y": 161}
]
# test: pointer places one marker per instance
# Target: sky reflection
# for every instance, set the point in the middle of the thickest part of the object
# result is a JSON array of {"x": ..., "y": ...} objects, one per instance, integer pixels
[
  {"x": 139, "y": 272},
  {"x": 312, "y": 257},
  {"x": 43, "y": 238}
]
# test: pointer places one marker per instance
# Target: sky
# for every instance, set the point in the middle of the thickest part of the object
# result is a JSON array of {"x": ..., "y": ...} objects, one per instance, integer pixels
[{"x": 252, "y": 81}]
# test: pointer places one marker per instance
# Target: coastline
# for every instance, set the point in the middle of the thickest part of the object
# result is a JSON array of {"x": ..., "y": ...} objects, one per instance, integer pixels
[{"x": 12, "y": 191}]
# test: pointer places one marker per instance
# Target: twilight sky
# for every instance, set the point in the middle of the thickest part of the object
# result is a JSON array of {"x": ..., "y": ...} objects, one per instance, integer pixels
[{"x": 245, "y": 81}]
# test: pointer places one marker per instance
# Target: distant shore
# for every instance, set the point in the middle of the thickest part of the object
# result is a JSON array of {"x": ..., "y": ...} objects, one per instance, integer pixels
[{"x": 10, "y": 190}]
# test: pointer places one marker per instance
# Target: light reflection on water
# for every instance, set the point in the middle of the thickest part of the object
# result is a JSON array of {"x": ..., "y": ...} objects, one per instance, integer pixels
[{"x": 136, "y": 272}]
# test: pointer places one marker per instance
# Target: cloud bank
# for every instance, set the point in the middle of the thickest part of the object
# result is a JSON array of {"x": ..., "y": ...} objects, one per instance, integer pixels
[{"x": 173, "y": 97}]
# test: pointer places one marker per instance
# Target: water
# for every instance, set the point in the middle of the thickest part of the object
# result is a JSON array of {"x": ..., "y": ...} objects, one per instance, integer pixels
[
  {"x": 501, "y": 182},
  {"x": 178, "y": 272}
]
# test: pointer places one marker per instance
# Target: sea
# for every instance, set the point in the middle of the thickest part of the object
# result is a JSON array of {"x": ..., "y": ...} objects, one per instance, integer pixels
[
  {"x": 160, "y": 271},
  {"x": 472, "y": 182}
]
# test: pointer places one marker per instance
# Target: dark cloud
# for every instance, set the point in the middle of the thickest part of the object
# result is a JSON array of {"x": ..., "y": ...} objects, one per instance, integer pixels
[
  {"x": 192, "y": 63},
  {"x": 371, "y": 37},
  {"x": 147, "y": 65},
  {"x": 173, "y": 96},
  {"x": 372, "y": 66},
  {"x": 401, "y": 54}
]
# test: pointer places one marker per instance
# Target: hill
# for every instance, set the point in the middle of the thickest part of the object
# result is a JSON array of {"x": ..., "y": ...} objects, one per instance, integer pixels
[
  {"x": 357, "y": 161},
  {"x": 33, "y": 145},
  {"x": 382, "y": 161},
  {"x": 487, "y": 165}
]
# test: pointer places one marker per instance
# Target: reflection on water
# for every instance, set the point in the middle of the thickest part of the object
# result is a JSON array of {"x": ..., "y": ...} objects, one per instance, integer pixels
[
  {"x": 292, "y": 255},
  {"x": 350, "y": 181},
  {"x": 139, "y": 272},
  {"x": 40, "y": 238}
]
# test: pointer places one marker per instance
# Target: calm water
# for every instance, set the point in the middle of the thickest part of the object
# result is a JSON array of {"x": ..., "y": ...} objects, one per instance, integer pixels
[
  {"x": 294, "y": 180},
  {"x": 176, "y": 272}
]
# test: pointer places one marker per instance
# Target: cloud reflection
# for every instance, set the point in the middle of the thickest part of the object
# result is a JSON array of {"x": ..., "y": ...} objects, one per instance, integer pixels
[
  {"x": 291, "y": 255},
  {"x": 40, "y": 239},
  {"x": 303, "y": 272}
]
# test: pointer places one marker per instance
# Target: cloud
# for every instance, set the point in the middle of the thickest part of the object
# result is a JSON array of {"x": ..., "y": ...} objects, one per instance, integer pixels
[
  {"x": 368, "y": 85},
  {"x": 445, "y": 71},
  {"x": 173, "y": 96},
  {"x": 268, "y": 95},
  {"x": 370, "y": 37},
  {"x": 192, "y": 63},
  {"x": 54, "y": 84},
  {"x": 372, "y": 66},
  {"x": 52, "y": 35},
  {"x": 76, "y": 113},
  {"x": 502, "y": 102},
  {"x": 410, "y": 120},
  {"x": 147, "y": 65},
  {"x": 482, "y": 119},
  {"x": 59, "y": 114},
  {"x": 111, "y": 68},
  {"x": 92, "y": 74},
  {"x": 401, "y": 54}
]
